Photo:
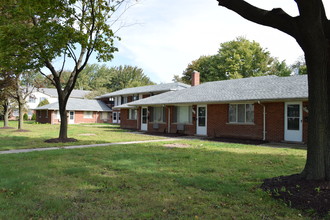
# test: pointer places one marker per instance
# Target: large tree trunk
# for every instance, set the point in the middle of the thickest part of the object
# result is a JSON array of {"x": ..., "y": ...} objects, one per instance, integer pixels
[
  {"x": 6, "y": 114},
  {"x": 64, "y": 118},
  {"x": 20, "y": 115},
  {"x": 316, "y": 46}
]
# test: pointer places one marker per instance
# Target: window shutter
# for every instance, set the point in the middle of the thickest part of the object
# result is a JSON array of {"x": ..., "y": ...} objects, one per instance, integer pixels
[
  {"x": 175, "y": 117},
  {"x": 151, "y": 110},
  {"x": 164, "y": 114}
]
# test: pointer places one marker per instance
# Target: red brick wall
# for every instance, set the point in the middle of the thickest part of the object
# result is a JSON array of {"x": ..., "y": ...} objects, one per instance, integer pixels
[
  {"x": 218, "y": 126},
  {"x": 125, "y": 122},
  {"x": 78, "y": 117},
  {"x": 275, "y": 121}
]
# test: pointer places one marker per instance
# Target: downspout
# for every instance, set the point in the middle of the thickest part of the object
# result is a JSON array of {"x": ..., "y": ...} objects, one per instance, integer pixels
[
  {"x": 264, "y": 121},
  {"x": 169, "y": 120}
]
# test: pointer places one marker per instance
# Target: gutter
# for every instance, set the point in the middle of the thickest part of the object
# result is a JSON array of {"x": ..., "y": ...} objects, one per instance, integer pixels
[{"x": 264, "y": 121}]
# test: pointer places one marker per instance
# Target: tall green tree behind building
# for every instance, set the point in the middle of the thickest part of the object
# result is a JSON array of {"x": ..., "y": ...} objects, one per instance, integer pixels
[{"x": 238, "y": 58}]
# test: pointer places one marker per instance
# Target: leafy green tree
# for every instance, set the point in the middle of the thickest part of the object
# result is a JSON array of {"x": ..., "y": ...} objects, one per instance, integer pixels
[
  {"x": 43, "y": 102},
  {"x": 311, "y": 30},
  {"x": 126, "y": 77},
  {"x": 280, "y": 68},
  {"x": 58, "y": 29},
  {"x": 208, "y": 67},
  {"x": 238, "y": 58},
  {"x": 300, "y": 66}
]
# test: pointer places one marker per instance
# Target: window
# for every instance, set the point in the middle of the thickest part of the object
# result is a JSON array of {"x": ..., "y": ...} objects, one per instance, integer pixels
[
  {"x": 46, "y": 114},
  {"x": 157, "y": 114},
  {"x": 123, "y": 100},
  {"x": 183, "y": 114},
  {"x": 104, "y": 115},
  {"x": 135, "y": 97},
  {"x": 132, "y": 114},
  {"x": 88, "y": 114},
  {"x": 241, "y": 113}
]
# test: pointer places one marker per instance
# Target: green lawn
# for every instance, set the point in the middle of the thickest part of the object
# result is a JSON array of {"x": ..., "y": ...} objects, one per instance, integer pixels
[
  {"x": 85, "y": 133},
  {"x": 204, "y": 180}
]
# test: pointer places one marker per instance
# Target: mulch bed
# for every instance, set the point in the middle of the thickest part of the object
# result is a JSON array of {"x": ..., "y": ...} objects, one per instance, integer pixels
[
  {"x": 59, "y": 140},
  {"x": 313, "y": 197}
]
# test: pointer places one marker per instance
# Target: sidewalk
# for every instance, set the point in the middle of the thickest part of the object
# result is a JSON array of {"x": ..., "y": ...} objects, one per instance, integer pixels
[{"x": 83, "y": 146}]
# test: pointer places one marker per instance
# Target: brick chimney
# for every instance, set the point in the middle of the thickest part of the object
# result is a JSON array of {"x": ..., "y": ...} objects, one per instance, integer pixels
[{"x": 195, "y": 78}]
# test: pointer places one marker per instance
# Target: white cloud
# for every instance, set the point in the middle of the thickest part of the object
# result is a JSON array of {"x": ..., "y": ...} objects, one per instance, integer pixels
[{"x": 170, "y": 34}]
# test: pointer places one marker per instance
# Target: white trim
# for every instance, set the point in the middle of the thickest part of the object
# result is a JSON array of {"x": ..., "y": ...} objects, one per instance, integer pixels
[
  {"x": 201, "y": 130},
  {"x": 144, "y": 126},
  {"x": 293, "y": 135}
]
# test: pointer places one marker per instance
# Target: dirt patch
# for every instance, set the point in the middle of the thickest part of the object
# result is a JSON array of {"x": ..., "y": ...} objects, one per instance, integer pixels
[
  {"x": 21, "y": 130},
  {"x": 87, "y": 134},
  {"x": 59, "y": 140},
  {"x": 177, "y": 145},
  {"x": 7, "y": 128},
  {"x": 313, "y": 197}
]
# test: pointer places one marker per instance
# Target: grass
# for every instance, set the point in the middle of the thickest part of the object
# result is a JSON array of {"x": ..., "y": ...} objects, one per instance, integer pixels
[
  {"x": 85, "y": 133},
  {"x": 207, "y": 180}
]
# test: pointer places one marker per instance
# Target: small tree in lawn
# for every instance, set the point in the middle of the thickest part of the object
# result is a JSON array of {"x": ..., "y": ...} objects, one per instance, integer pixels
[
  {"x": 6, "y": 86},
  {"x": 63, "y": 29},
  {"x": 311, "y": 29}
]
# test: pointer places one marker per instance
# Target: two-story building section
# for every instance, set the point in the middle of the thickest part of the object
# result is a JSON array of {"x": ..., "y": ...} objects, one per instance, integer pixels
[{"x": 118, "y": 100}]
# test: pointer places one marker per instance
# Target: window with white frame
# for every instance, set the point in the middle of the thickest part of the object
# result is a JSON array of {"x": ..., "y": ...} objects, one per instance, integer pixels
[
  {"x": 88, "y": 114},
  {"x": 158, "y": 114},
  {"x": 183, "y": 114},
  {"x": 104, "y": 115},
  {"x": 241, "y": 113},
  {"x": 132, "y": 114}
]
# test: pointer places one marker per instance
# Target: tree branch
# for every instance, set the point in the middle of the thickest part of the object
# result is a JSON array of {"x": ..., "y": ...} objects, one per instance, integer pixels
[{"x": 276, "y": 18}]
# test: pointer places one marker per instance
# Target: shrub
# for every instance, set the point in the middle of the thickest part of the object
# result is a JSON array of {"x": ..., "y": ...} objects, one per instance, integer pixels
[
  {"x": 25, "y": 117},
  {"x": 34, "y": 117}
]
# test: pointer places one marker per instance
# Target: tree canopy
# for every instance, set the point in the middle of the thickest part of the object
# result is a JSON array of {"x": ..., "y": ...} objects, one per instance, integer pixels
[
  {"x": 238, "y": 58},
  {"x": 50, "y": 30}
]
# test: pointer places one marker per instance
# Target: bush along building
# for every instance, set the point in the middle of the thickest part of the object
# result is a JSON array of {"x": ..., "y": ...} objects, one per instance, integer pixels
[{"x": 268, "y": 108}]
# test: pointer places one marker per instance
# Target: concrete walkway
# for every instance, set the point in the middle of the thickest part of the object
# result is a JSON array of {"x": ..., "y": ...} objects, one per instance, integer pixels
[{"x": 83, "y": 146}]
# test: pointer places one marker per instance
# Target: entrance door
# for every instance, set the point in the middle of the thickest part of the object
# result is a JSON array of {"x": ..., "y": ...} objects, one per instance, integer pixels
[
  {"x": 144, "y": 119},
  {"x": 114, "y": 117},
  {"x": 293, "y": 121},
  {"x": 201, "y": 120},
  {"x": 71, "y": 117}
]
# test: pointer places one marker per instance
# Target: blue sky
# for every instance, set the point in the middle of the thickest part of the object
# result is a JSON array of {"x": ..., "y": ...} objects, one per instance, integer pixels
[{"x": 168, "y": 35}]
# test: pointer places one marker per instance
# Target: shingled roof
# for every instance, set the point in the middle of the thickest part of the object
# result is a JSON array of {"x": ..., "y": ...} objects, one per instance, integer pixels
[
  {"x": 147, "y": 89},
  {"x": 53, "y": 92},
  {"x": 265, "y": 88},
  {"x": 79, "y": 105}
]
